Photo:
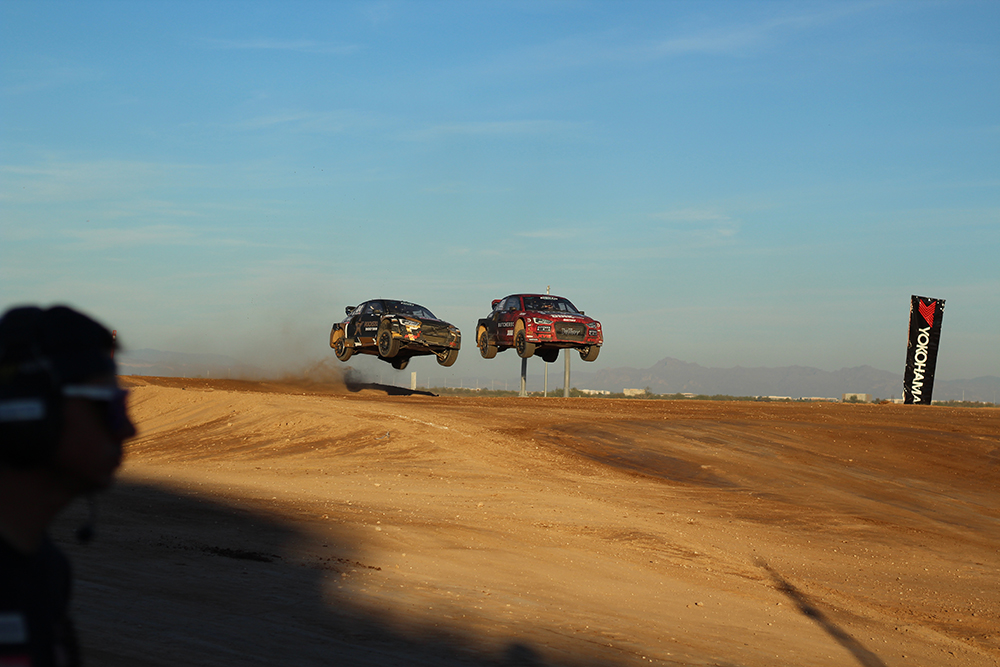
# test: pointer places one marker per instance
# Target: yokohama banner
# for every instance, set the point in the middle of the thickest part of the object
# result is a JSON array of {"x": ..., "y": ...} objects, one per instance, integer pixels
[{"x": 922, "y": 349}]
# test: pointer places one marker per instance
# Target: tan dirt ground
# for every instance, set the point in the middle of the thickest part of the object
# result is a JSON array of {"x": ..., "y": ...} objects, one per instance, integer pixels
[{"x": 304, "y": 524}]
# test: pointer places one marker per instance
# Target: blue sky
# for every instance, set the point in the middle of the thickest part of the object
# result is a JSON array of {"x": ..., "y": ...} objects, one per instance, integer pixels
[{"x": 726, "y": 183}]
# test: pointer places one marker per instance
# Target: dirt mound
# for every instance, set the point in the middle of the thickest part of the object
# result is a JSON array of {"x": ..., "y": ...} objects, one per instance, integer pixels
[{"x": 300, "y": 522}]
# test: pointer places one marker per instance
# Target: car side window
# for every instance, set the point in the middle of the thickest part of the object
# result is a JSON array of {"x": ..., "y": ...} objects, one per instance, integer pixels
[{"x": 513, "y": 303}]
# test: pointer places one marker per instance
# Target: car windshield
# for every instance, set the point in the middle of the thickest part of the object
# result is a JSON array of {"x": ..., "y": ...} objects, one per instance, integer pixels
[
  {"x": 551, "y": 303},
  {"x": 407, "y": 308}
]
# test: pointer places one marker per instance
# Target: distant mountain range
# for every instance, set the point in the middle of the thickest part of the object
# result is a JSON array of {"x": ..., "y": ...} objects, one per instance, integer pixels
[
  {"x": 181, "y": 364},
  {"x": 667, "y": 376}
]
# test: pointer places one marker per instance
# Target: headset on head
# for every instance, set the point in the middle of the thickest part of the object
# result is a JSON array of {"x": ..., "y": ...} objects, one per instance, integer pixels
[
  {"x": 30, "y": 400},
  {"x": 41, "y": 353}
]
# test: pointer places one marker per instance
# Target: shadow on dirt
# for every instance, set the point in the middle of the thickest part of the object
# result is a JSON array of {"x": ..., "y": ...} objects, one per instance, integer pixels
[
  {"x": 389, "y": 390},
  {"x": 864, "y": 657},
  {"x": 634, "y": 447},
  {"x": 176, "y": 579}
]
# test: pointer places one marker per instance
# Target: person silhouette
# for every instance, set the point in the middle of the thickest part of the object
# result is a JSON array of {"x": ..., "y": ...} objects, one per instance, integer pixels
[{"x": 63, "y": 421}]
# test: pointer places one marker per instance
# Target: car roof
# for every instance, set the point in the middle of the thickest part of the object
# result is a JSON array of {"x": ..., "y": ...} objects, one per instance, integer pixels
[
  {"x": 403, "y": 301},
  {"x": 551, "y": 296}
]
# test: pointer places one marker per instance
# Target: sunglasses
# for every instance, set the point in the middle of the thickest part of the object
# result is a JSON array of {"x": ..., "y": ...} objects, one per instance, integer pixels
[{"x": 113, "y": 398}]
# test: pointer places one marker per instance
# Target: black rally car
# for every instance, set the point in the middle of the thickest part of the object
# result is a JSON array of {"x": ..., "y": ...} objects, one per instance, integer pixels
[{"x": 395, "y": 331}]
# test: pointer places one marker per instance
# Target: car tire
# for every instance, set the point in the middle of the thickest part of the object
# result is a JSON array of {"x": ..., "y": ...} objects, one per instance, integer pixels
[
  {"x": 339, "y": 344},
  {"x": 486, "y": 349},
  {"x": 590, "y": 352},
  {"x": 521, "y": 344},
  {"x": 388, "y": 345},
  {"x": 447, "y": 357}
]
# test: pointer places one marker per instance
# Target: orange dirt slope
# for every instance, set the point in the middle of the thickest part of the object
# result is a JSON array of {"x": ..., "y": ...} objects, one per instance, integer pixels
[{"x": 305, "y": 524}]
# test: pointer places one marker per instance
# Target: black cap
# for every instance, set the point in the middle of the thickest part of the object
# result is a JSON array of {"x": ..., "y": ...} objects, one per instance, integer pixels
[{"x": 74, "y": 347}]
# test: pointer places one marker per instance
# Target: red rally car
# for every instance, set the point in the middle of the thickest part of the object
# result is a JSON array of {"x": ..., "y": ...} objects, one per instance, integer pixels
[{"x": 539, "y": 324}]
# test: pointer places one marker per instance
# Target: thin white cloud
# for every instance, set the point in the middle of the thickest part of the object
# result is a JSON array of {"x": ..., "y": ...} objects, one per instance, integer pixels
[
  {"x": 376, "y": 13},
  {"x": 489, "y": 128},
  {"x": 27, "y": 82},
  {"x": 319, "y": 122},
  {"x": 269, "y": 44},
  {"x": 695, "y": 216},
  {"x": 446, "y": 188},
  {"x": 548, "y": 234},
  {"x": 695, "y": 228},
  {"x": 87, "y": 181},
  {"x": 97, "y": 235},
  {"x": 737, "y": 39},
  {"x": 154, "y": 235},
  {"x": 299, "y": 120},
  {"x": 614, "y": 46}
]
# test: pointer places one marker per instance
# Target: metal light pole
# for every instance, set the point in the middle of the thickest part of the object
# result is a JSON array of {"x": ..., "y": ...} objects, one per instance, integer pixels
[
  {"x": 566, "y": 376},
  {"x": 524, "y": 375},
  {"x": 545, "y": 388}
]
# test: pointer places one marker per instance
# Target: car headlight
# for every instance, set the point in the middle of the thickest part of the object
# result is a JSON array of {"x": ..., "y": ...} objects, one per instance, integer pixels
[
  {"x": 410, "y": 324},
  {"x": 539, "y": 320}
]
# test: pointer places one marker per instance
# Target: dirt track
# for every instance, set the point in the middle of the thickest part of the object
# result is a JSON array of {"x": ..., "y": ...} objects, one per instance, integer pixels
[{"x": 266, "y": 524}]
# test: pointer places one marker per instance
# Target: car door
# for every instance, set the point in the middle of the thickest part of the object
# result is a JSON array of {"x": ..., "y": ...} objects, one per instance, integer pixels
[
  {"x": 351, "y": 324},
  {"x": 367, "y": 322},
  {"x": 507, "y": 313}
]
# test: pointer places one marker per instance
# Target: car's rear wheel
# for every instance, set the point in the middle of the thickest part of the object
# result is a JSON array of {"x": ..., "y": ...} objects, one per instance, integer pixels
[
  {"x": 590, "y": 352},
  {"x": 388, "y": 345},
  {"x": 521, "y": 344},
  {"x": 447, "y": 357},
  {"x": 340, "y": 347},
  {"x": 487, "y": 349}
]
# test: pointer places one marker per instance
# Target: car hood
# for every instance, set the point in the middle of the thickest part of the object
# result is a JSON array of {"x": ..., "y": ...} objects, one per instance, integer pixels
[
  {"x": 424, "y": 320},
  {"x": 562, "y": 317}
]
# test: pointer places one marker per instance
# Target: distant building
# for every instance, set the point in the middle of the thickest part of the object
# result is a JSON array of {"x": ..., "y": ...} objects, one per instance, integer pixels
[
  {"x": 595, "y": 392},
  {"x": 634, "y": 392},
  {"x": 856, "y": 398}
]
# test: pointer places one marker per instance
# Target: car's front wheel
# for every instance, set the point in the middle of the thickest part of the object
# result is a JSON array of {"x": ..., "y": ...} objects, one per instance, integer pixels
[
  {"x": 447, "y": 357},
  {"x": 388, "y": 345},
  {"x": 487, "y": 349},
  {"x": 590, "y": 352},
  {"x": 340, "y": 347},
  {"x": 521, "y": 344}
]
